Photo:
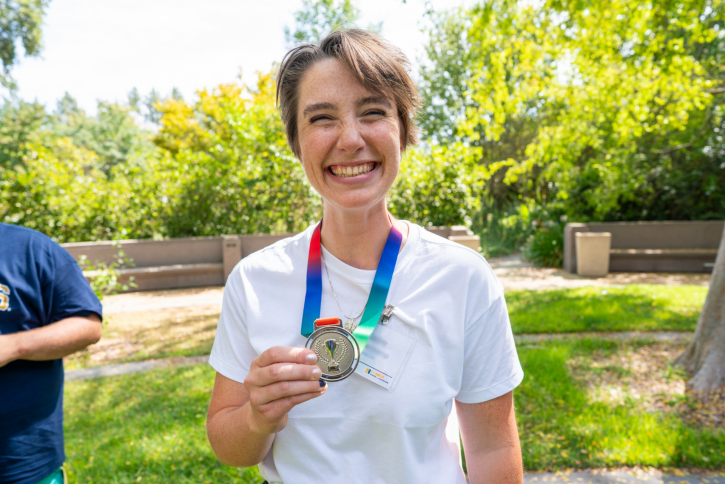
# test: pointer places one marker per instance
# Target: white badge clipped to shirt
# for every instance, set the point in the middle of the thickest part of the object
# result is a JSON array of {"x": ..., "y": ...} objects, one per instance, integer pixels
[{"x": 386, "y": 354}]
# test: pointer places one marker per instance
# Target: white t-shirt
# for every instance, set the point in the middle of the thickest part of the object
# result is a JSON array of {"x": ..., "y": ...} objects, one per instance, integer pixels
[{"x": 448, "y": 304}]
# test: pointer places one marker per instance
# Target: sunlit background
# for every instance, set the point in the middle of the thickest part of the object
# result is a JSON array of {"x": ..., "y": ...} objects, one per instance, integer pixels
[{"x": 102, "y": 49}]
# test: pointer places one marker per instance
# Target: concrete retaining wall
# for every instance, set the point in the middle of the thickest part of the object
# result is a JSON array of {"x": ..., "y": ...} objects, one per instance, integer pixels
[
  {"x": 197, "y": 261},
  {"x": 652, "y": 246}
]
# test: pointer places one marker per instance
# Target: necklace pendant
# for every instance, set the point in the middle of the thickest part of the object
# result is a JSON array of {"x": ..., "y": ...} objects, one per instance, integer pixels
[{"x": 350, "y": 325}]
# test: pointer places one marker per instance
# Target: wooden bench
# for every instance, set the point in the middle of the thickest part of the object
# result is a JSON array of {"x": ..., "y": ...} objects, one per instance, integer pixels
[
  {"x": 652, "y": 246},
  {"x": 198, "y": 261}
]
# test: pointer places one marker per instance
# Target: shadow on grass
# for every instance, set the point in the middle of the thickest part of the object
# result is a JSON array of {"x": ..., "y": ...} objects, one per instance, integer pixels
[
  {"x": 144, "y": 428},
  {"x": 561, "y": 428},
  {"x": 632, "y": 308},
  {"x": 177, "y": 346}
]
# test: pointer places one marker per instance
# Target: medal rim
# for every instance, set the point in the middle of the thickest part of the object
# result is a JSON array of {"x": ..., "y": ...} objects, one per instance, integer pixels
[{"x": 350, "y": 337}]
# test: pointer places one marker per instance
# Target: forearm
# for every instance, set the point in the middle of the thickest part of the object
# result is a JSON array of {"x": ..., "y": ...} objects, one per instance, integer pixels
[
  {"x": 491, "y": 441},
  {"x": 502, "y": 465},
  {"x": 54, "y": 341},
  {"x": 233, "y": 438}
]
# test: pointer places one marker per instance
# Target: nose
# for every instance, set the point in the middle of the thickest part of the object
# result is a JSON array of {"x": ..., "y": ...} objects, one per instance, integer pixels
[{"x": 350, "y": 139}]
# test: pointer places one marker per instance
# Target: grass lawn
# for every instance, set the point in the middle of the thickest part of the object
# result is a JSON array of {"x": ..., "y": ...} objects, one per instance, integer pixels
[
  {"x": 147, "y": 427},
  {"x": 583, "y": 403},
  {"x": 594, "y": 403},
  {"x": 639, "y": 307}
]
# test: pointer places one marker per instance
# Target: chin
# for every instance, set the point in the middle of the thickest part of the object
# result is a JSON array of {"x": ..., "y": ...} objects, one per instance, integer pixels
[{"x": 355, "y": 201}]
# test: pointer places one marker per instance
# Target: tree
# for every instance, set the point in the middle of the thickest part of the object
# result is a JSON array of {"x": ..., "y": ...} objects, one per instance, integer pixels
[
  {"x": 601, "y": 110},
  {"x": 704, "y": 358},
  {"x": 318, "y": 18},
  {"x": 20, "y": 123},
  {"x": 112, "y": 134},
  {"x": 226, "y": 166},
  {"x": 20, "y": 22}
]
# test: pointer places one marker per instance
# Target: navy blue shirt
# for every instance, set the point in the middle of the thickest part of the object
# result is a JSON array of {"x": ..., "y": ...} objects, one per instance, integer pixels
[{"x": 40, "y": 283}]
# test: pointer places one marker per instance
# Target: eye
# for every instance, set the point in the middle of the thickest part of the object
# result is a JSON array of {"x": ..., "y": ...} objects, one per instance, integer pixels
[
  {"x": 375, "y": 112},
  {"x": 319, "y": 117}
]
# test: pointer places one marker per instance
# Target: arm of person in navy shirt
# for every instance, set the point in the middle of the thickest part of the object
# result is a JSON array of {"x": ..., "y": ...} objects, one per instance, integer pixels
[
  {"x": 51, "y": 342},
  {"x": 491, "y": 440}
]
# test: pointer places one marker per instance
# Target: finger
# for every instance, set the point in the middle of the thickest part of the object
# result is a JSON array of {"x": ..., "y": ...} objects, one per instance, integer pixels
[
  {"x": 278, "y": 408},
  {"x": 285, "y": 372},
  {"x": 285, "y": 354},
  {"x": 276, "y": 391}
]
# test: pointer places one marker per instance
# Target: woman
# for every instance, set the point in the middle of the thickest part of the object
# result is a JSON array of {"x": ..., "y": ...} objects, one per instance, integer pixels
[{"x": 348, "y": 106}]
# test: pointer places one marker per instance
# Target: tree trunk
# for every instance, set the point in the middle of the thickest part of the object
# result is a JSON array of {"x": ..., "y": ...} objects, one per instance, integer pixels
[{"x": 705, "y": 357}]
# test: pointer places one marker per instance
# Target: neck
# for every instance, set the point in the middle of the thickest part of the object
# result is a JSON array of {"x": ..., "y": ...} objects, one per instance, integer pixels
[{"x": 358, "y": 237}]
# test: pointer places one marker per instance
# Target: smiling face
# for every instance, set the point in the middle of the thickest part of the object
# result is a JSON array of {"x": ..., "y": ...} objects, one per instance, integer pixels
[{"x": 348, "y": 137}]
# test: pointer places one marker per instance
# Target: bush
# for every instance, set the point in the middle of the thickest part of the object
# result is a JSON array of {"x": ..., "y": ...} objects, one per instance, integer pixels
[
  {"x": 546, "y": 246},
  {"x": 436, "y": 186}
]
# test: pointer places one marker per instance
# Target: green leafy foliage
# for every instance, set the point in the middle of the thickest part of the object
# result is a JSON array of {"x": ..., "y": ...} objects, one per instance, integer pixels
[
  {"x": 317, "y": 18},
  {"x": 112, "y": 134},
  {"x": 601, "y": 111},
  {"x": 546, "y": 246},
  {"x": 20, "y": 123},
  {"x": 436, "y": 187},
  {"x": 228, "y": 168},
  {"x": 20, "y": 22},
  {"x": 104, "y": 278}
]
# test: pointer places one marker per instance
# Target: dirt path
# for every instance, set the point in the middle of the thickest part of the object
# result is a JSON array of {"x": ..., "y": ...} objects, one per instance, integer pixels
[{"x": 515, "y": 273}]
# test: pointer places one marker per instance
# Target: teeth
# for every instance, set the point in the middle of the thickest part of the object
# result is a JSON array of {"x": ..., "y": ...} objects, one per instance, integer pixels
[{"x": 346, "y": 171}]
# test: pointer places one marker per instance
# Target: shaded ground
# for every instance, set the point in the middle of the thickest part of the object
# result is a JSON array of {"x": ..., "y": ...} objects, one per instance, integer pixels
[
  {"x": 159, "y": 333},
  {"x": 517, "y": 274}
]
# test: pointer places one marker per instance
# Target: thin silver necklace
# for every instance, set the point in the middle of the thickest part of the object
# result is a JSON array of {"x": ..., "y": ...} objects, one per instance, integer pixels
[{"x": 350, "y": 324}]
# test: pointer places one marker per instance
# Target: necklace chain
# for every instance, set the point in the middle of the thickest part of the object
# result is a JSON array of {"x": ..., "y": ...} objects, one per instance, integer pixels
[{"x": 335, "y": 295}]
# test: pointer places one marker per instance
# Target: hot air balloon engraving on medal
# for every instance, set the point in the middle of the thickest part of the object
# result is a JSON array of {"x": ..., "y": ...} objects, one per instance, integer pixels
[{"x": 336, "y": 348}]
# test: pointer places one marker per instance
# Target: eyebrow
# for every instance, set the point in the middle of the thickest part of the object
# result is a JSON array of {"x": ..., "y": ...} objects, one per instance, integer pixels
[
  {"x": 317, "y": 107},
  {"x": 373, "y": 100},
  {"x": 361, "y": 102}
]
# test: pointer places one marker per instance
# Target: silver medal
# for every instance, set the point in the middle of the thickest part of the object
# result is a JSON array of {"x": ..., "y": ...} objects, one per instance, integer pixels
[{"x": 337, "y": 350}]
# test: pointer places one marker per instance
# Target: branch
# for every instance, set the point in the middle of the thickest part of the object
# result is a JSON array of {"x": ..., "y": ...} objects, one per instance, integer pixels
[
  {"x": 718, "y": 90},
  {"x": 703, "y": 130}
]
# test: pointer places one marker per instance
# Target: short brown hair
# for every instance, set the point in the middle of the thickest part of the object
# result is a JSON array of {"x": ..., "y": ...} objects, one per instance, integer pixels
[{"x": 380, "y": 67}]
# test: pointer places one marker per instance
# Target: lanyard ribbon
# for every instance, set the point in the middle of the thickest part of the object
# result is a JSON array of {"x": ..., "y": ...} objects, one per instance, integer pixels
[{"x": 378, "y": 293}]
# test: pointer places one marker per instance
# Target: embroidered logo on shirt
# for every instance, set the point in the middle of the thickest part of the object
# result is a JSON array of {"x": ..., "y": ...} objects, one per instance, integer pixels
[{"x": 4, "y": 297}]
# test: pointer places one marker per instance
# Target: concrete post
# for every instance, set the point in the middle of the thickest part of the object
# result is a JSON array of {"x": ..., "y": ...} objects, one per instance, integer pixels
[
  {"x": 231, "y": 253},
  {"x": 592, "y": 253}
]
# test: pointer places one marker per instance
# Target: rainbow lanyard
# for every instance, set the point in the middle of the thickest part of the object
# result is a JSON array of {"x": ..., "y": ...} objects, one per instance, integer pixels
[{"x": 378, "y": 293}]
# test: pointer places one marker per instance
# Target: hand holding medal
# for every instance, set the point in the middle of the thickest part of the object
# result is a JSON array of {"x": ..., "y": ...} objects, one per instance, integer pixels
[{"x": 279, "y": 379}]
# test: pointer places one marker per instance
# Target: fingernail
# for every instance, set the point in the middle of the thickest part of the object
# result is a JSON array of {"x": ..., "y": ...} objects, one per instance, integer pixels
[
  {"x": 322, "y": 383},
  {"x": 316, "y": 373},
  {"x": 311, "y": 358}
]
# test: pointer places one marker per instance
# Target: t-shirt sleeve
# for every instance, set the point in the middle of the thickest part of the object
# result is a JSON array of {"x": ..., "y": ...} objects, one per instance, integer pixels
[
  {"x": 72, "y": 294},
  {"x": 232, "y": 353},
  {"x": 491, "y": 365}
]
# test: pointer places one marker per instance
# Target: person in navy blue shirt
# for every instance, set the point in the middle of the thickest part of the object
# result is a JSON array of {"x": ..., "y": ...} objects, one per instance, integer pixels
[{"x": 47, "y": 311}]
